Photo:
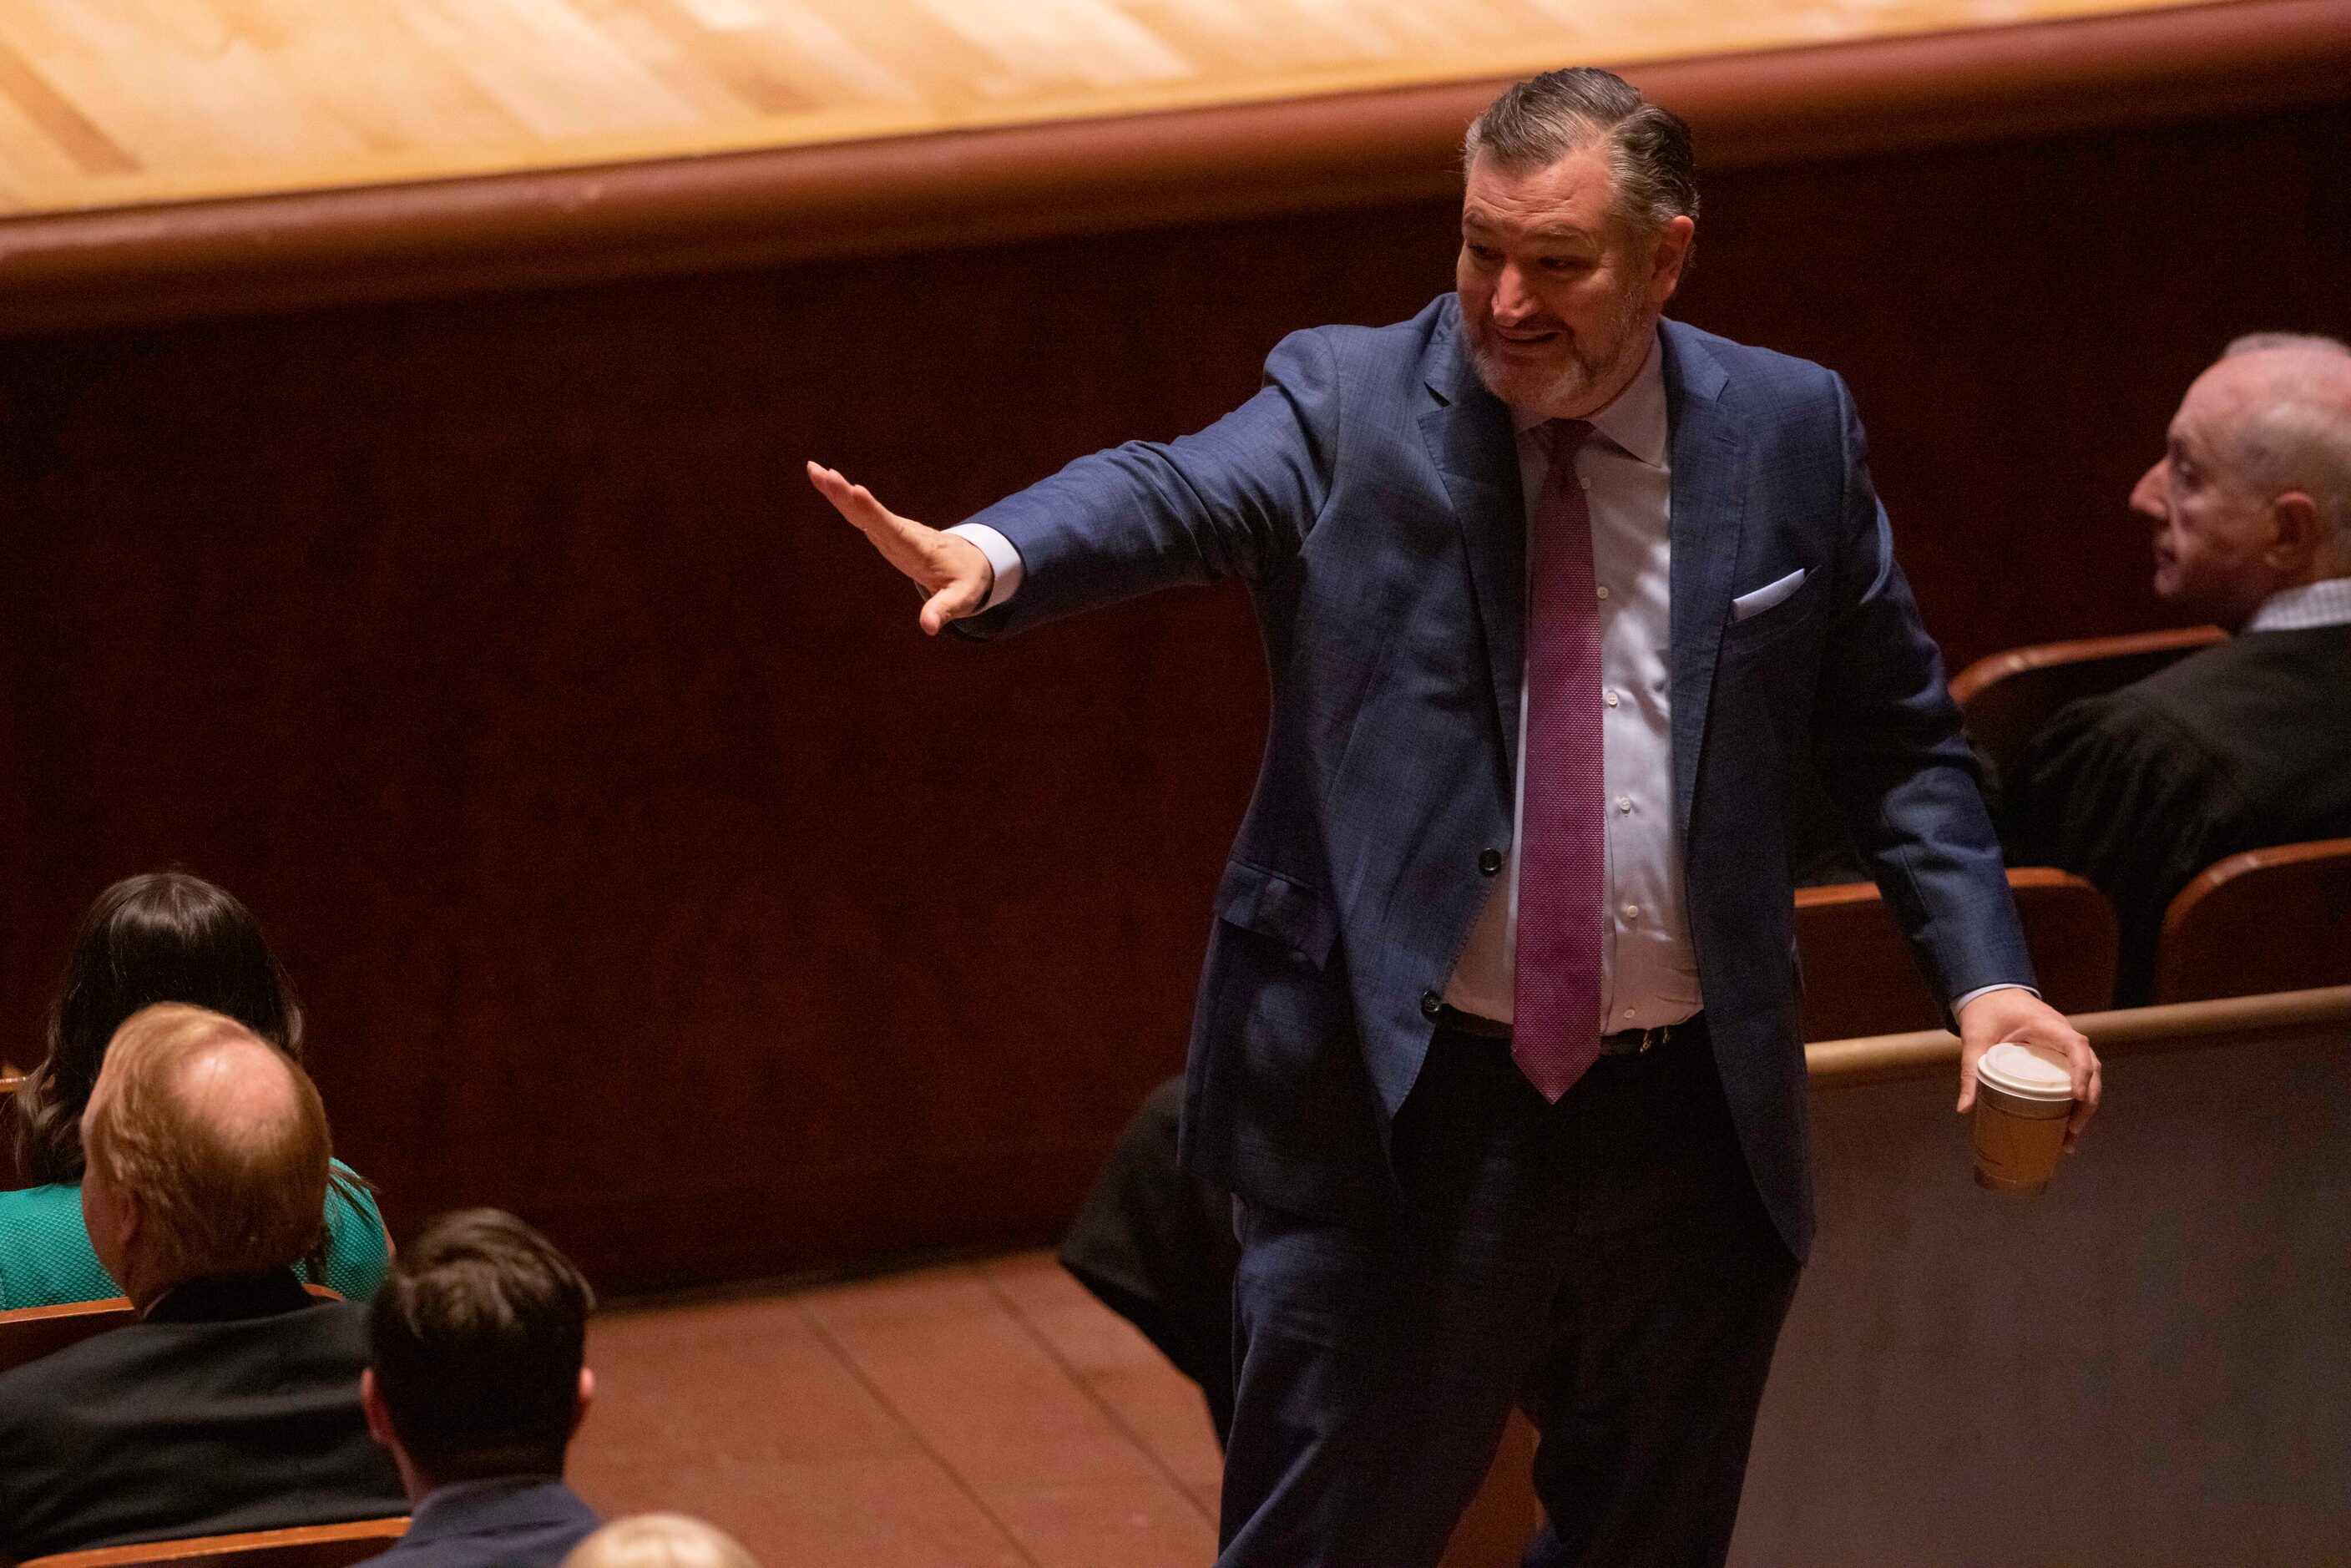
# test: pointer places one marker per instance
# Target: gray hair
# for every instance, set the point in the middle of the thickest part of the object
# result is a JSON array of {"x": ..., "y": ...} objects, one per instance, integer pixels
[
  {"x": 1540, "y": 121},
  {"x": 2297, "y": 435},
  {"x": 660, "y": 1540},
  {"x": 2259, "y": 342}
]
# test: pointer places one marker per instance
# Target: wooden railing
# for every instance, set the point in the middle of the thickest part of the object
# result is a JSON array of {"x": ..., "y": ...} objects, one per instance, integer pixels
[
  {"x": 2279, "y": 1017},
  {"x": 300, "y": 1546}
]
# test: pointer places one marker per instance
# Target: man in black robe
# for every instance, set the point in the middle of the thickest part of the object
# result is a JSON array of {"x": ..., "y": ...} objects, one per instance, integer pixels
[{"x": 2245, "y": 744}]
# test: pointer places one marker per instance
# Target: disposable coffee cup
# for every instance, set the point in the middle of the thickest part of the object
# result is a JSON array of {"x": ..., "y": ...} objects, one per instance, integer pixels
[{"x": 2022, "y": 1099}]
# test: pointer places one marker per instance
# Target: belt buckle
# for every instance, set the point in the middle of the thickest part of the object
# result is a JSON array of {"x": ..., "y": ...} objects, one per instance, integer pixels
[{"x": 1655, "y": 1034}]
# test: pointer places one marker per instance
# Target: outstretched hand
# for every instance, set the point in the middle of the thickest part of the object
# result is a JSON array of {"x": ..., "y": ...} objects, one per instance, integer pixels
[
  {"x": 953, "y": 572},
  {"x": 2014, "y": 1014}
]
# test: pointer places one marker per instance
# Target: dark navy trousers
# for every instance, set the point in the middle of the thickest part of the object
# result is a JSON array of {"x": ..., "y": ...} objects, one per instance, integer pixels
[{"x": 1603, "y": 1262}]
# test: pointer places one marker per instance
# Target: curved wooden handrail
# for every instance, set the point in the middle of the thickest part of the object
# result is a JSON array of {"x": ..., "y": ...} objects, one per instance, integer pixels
[
  {"x": 302, "y": 1540},
  {"x": 2257, "y": 920},
  {"x": 959, "y": 188},
  {"x": 1836, "y": 895},
  {"x": 1996, "y": 667},
  {"x": 2221, "y": 872},
  {"x": 98, "y": 1307},
  {"x": 2274, "y": 1018}
]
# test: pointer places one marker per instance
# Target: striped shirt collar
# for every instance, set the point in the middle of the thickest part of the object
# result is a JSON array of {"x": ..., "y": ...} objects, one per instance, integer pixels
[{"x": 2327, "y": 602}]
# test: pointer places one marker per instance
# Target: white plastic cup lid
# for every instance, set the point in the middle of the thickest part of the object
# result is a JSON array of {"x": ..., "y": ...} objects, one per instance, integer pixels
[{"x": 2025, "y": 1072}]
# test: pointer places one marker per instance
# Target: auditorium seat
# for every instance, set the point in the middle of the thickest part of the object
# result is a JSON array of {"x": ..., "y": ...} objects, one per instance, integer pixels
[
  {"x": 2267, "y": 920},
  {"x": 1859, "y": 978},
  {"x": 29, "y": 1334},
  {"x": 305, "y": 1546},
  {"x": 2007, "y": 697}
]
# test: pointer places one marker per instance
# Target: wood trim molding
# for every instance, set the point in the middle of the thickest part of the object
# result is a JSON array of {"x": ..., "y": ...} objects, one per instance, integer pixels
[
  {"x": 2277, "y": 1018},
  {"x": 1993, "y": 668},
  {"x": 203, "y": 1547},
  {"x": 72, "y": 271},
  {"x": 98, "y": 1308},
  {"x": 1837, "y": 895},
  {"x": 2221, "y": 872}
]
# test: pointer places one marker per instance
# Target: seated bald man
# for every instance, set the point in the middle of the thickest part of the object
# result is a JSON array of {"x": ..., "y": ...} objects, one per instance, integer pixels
[
  {"x": 234, "y": 1403},
  {"x": 2247, "y": 743}
]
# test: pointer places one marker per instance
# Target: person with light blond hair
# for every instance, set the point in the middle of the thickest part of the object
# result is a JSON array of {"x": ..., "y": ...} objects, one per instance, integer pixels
[
  {"x": 660, "y": 1540},
  {"x": 233, "y": 1404}
]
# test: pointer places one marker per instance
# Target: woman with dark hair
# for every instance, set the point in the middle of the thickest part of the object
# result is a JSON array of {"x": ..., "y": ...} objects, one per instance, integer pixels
[{"x": 165, "y": 937}]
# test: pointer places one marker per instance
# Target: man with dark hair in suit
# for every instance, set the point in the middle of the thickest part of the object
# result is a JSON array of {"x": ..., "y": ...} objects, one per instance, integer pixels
[
  {"x": 233, "y": 1404},
  {"x": 476, "y": 1380},
  {"x": 2247, "y": 743},
  {"x": 1497, "y": 1042}
]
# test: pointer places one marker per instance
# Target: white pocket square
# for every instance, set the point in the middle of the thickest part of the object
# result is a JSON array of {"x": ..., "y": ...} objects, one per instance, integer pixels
[{"x": 1764, "y": 598}]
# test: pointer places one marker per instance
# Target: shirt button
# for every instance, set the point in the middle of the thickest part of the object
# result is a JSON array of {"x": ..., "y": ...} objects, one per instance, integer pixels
[
  {"x": 1610, "y": 699},
  {"x": 1628, "y": 1012},
  {"x": 1603, "y": 591},
  {"x": 1632, "y": 912},
  {"x": 1624, "y": 802},
  {"x": 1580, "y": 479}
]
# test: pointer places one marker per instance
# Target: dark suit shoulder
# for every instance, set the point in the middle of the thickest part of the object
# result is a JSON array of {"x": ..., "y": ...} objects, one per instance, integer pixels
[
  {"x": 2270, "y": 712},
  {"x": 2099, "y": 758},
  {"x": 517, "y": 1522},
  {"x": 1432, "y": 333},
  {"x": 2243, "y": 745},
  {"x": 331, "y": 1332},
  {"x": 2303, "y": 666},
  {"x": 160, "y": 1429},
  {"x": 1766, "y": 375}
]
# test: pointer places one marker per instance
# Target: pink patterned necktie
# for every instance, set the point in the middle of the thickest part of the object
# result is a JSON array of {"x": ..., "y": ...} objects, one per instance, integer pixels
[{"x": 1556, "y": 1032}]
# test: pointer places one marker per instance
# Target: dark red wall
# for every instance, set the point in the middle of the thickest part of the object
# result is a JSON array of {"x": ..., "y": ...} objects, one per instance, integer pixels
[{"x": 644, "y": 867}]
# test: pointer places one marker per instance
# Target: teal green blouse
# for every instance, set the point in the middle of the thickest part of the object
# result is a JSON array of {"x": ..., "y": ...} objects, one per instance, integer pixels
[{"x": 45, "y": 1259}]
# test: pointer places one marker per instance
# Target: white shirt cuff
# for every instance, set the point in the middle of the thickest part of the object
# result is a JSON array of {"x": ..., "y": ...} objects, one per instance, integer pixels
[
  {"x": 1000, "y": 555},
  {"x": 1982, "y": 990}
]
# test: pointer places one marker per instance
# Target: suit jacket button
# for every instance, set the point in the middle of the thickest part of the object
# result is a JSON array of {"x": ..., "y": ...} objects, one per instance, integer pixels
[
  {"x": 1489, "y": 861},
  {"x": 1431, "y": 1004}
]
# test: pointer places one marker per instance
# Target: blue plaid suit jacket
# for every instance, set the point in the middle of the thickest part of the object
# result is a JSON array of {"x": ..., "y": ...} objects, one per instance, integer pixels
[{"x": 1369, "y": 495}]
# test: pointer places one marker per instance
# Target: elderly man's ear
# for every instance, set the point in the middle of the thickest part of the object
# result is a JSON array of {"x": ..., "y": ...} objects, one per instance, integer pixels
[
  {"x": 2300, "y": 534},
  {"x": 115, "y": 1220}
]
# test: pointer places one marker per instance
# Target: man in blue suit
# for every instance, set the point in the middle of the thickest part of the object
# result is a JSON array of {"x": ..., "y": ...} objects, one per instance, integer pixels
[{"x": 1496, "y": 1039}]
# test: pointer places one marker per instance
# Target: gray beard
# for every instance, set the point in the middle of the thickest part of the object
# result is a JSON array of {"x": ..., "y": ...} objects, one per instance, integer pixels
[{"x": 1571, "y": 385}]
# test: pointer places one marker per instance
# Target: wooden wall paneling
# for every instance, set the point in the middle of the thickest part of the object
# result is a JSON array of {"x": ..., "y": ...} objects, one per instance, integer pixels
[
  {"x": 2018, "y": 324},
  {"x": 647, "y": 872}
]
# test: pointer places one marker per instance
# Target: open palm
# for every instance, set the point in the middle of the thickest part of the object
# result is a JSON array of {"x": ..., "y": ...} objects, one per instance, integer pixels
[{"x": 952, "y": 573}]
